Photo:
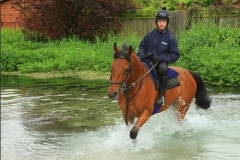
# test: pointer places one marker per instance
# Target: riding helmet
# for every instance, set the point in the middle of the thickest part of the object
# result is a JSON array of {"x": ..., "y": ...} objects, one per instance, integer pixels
[{"x": 162, "y": 14}]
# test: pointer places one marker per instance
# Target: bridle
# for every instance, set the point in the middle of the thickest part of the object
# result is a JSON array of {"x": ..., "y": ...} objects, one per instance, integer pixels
[
  {"x": 126, "y": 87},
  {"x": 124, "y": 82}
]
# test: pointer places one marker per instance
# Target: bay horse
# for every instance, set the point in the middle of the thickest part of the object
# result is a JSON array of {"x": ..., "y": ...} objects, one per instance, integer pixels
[{"x": 131, "y": 83}]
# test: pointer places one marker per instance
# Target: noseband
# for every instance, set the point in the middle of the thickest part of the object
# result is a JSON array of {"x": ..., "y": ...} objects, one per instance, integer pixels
[{"x": 123, "y": 83}]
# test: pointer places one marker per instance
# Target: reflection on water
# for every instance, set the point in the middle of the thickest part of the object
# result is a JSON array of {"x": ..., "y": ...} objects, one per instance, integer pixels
[
  {"x": 67, "y": 118},
  {"x": 64, "y": 106}
]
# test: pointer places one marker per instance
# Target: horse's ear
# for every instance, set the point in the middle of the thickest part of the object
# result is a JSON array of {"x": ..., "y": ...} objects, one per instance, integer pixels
[
  {"x": 116, "y": 49},
  {"x": 130, "y": 50}
]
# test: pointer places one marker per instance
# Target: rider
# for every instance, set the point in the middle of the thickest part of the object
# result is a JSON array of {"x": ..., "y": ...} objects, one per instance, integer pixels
[{"x": 162, "y": 47}]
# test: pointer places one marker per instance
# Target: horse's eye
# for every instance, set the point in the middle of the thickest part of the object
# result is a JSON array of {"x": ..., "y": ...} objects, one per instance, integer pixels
[{"x": 126, "y": 71}]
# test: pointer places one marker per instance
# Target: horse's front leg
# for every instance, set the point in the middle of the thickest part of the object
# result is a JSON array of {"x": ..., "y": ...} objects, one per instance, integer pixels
[{"x": 140, "y": 122}]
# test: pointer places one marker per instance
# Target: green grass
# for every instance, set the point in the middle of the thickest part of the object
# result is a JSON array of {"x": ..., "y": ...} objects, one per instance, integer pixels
[
  {"x": 214, "y": 52},
  {"x": 65, "y": 55}
]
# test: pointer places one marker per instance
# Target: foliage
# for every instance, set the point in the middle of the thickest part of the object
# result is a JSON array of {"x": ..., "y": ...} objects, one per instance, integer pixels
[
  {"x": 214, "y": 52},
  {"x": 72, "y": 54},
  {"x": 148, "y": 8},
  {"x": 202, "y": 3},
  {"x": 81, "y": 18}
]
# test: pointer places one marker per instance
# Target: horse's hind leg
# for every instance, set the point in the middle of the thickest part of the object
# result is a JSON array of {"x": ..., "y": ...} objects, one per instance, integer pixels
[{"x": 182, "y": 106}]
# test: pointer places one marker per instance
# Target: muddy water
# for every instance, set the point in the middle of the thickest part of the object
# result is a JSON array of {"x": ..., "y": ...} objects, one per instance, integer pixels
[{"x": 67, "y": 118}]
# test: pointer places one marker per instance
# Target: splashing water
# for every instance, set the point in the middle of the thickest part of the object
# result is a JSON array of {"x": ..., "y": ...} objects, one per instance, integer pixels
[
  {"x": 35, "y": 125},
  {"x": 198, "y": 136}
]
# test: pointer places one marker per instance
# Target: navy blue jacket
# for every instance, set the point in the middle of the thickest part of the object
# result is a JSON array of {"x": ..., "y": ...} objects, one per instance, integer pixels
[{"x": 163, "y": 44}]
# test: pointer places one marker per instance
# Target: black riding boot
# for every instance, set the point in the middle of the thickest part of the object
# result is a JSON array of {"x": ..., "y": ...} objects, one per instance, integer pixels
[{"x": 163, "y": 85}]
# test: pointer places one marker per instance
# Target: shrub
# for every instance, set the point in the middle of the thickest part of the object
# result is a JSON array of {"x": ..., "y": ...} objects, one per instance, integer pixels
[
  {"x": 212, "y": 51},
  {"x": 63, "y": 18}
]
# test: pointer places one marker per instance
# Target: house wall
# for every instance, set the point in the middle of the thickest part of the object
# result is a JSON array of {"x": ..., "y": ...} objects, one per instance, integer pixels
[{"x": 9, "y": 16}]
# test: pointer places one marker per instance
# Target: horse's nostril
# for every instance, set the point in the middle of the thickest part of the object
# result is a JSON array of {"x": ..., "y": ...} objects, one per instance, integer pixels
[{"x": 114, "y": 95}]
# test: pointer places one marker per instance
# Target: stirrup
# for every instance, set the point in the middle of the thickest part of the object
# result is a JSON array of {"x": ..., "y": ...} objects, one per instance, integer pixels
[{"x": 160, "y": 101}]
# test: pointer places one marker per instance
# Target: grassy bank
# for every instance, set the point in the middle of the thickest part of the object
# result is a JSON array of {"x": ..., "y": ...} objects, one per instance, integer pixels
[
  {"x": 65, "y": 55},
  {"x": 87, "y": 75},
  {"x": 211, "y": 51}
]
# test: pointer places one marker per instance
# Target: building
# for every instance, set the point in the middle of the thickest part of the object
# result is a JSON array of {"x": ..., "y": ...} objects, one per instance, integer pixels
[{"x": 9, "y": 15}]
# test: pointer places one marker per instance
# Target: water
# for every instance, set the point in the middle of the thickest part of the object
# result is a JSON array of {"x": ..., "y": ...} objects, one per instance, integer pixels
[{"x": 72, "y": 119}]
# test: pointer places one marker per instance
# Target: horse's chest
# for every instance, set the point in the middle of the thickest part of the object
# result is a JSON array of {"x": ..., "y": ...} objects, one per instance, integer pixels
[{"x": 131, "y": 108}]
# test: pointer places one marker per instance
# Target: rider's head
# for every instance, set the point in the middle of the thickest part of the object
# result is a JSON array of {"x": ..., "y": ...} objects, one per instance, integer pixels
[{"x": 162, "y": 19}]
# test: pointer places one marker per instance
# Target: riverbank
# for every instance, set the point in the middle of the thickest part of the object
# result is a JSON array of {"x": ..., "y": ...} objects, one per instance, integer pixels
[
  {"x": 85, "y": 75},
  {"x": 211, "y": 51}
]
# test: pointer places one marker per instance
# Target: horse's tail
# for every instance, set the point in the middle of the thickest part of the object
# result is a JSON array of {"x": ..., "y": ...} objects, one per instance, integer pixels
[{"x": 202, "y": 99}]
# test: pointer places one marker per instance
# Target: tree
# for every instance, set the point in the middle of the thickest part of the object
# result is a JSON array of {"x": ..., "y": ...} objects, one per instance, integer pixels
[{"x": 81, "y": 18}]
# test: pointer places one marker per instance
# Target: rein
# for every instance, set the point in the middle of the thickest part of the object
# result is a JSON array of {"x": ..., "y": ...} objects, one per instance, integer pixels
[
  {"x": 133, "y": 84},
  {"x": 125, "y": 89}
]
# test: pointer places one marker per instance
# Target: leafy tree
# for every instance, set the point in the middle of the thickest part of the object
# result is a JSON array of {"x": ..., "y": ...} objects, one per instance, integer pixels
[
  {"x": 203, "y": 3},
  {"x": 81, "y": 18},
  {"x": 147, "y": 8}
]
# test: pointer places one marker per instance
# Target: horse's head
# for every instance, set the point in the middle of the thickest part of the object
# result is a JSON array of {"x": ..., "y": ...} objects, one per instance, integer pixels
[{"x": 121, "y": 69}]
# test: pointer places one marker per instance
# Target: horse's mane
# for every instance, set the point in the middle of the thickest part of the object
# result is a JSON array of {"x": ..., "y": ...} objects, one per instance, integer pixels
[{"x": 123, "y": 53}]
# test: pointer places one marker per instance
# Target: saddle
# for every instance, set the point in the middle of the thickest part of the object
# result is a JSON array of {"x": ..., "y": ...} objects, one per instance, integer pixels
[{"x": 172, "y": 76}]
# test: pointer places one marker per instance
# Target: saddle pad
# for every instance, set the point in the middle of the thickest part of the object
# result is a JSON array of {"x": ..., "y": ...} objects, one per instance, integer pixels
[{"x": 171, "y": 73}]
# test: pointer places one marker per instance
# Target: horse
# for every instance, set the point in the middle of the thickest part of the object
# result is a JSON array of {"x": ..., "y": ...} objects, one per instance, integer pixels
[{"x": 132, "y": 85}]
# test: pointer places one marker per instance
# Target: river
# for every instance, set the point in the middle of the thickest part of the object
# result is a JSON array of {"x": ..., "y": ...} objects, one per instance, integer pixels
[{"x": 73, "y": 119}]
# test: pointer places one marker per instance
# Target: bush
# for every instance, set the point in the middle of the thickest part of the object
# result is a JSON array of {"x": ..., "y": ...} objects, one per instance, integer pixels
[
  {"x": 72, "y": 54},
  {"x": 64, "y": 18},
  {"x": 212, "y": 51}
]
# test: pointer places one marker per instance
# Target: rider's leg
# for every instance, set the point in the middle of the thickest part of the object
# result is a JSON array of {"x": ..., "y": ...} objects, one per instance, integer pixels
[{"x": 161, "y": 70}]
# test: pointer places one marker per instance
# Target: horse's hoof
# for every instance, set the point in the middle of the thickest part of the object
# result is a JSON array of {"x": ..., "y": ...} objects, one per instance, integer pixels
[{"x": 134, "y": 132}]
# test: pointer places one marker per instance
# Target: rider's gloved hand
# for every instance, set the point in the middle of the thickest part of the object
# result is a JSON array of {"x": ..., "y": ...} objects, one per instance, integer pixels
[
  {"x": 141, "y": 56},
  {"x": 155, "y": 58}
]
